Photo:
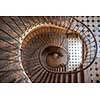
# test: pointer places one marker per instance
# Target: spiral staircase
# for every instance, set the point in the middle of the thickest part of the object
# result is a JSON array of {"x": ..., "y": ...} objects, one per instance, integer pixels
[{"x": 45, "y": 49}]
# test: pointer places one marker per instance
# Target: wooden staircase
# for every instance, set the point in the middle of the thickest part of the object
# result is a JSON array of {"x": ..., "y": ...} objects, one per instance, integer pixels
[{"x": 23, "y": 40}]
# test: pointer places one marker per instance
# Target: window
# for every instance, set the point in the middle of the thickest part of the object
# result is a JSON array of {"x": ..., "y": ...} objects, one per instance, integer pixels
[{"x": 75, "y": 52}]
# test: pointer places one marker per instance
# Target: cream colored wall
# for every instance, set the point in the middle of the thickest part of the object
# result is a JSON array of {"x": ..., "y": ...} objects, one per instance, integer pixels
[{"x": 93, "y": 72}]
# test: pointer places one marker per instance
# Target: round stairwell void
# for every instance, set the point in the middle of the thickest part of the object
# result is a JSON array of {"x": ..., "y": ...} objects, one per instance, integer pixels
[
  {"x": 50, "y": 49},
  {"x": 54, "y": 49}
]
